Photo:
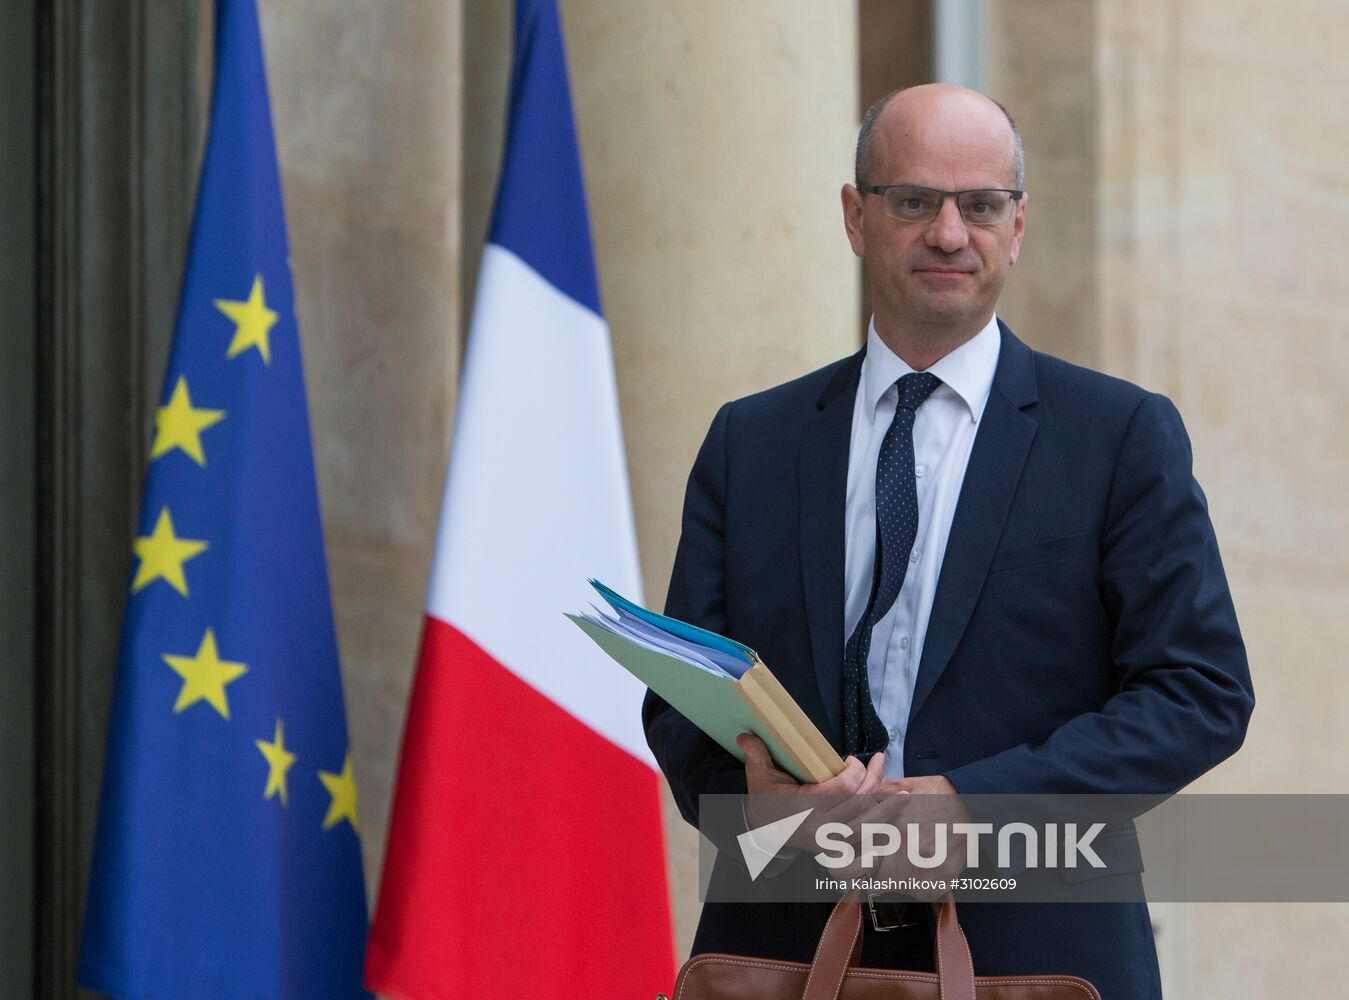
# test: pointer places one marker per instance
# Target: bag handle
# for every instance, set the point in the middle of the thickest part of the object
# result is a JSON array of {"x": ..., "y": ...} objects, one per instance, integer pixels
[
  {"x": 840, "y": 948},
  {"x": 955, "y": 968}
]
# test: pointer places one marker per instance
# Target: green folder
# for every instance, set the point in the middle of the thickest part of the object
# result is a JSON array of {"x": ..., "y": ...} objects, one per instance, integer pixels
[{"x": 723, "y": 707}]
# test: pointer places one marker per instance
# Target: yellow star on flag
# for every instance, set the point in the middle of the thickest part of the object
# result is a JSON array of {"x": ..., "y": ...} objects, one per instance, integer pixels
[
  {"x": 342, "y": 787},
  {"x": 162, "y": 554},
  {"x": 253, "y": 322},
  {"x": 279, "y": 761},
  {"x": 205, "y": 676},
  {"x": 179, "y": 425}
]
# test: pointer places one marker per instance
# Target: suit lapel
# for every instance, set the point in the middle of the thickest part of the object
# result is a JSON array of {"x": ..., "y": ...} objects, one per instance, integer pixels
[
  {"x": 999, "y": 454},
  {"x": 823, "y": 484}
]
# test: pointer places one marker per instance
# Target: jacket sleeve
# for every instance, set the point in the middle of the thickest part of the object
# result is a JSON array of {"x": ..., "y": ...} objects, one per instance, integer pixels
[
  {"x": 693, "y": 763},
  {"x": 1185, "y": 692}
]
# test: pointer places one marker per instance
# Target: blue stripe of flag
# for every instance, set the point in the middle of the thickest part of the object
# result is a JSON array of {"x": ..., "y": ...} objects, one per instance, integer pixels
[{"x": 540, "y": 211}]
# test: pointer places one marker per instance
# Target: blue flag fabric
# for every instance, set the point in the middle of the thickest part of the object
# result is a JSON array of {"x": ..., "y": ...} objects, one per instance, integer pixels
[
  {"x": 227, "y": 861},
  {"x": 540, "y": 212}
]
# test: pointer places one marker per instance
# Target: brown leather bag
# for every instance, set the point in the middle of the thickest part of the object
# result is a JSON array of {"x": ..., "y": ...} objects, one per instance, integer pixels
[{"x": 834, "y": 974}]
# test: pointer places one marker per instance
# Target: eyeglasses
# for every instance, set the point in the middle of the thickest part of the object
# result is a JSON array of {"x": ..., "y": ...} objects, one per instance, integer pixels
[{"x": 982, "y": 207}]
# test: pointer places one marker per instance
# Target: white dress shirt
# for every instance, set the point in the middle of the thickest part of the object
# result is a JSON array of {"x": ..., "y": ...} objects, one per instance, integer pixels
[{"x": 943, "y": 434}]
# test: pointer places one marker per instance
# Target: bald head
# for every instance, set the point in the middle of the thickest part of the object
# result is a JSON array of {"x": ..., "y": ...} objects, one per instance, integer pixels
[
  {"x": 933, "y": 114},
  {"x": 934, "y": 279}
]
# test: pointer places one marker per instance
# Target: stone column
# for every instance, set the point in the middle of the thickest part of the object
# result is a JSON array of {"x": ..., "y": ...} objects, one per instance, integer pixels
[
  {"x": 1042, "y": 67},
  {"x": 1222, "y": 263},
  {"x": 1187, "y": 174}
]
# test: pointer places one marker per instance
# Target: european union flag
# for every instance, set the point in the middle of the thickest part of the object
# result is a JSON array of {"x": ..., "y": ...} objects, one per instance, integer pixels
[{"x": 227, "y": 862}]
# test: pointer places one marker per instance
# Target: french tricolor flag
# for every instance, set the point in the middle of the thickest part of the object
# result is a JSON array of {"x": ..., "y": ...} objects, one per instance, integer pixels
[{"x": 525, "y": 856}]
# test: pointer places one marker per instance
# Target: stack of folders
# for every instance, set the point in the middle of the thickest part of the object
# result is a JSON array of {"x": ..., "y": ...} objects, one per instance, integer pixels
[{"x": 717, "y": 683}]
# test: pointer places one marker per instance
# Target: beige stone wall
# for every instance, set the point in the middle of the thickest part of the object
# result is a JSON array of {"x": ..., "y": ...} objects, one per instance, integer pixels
[
  {"x": 1187, "y": 169},
  {"x": 1052, "y": 297},
  {"x": 366, "y": 103}
]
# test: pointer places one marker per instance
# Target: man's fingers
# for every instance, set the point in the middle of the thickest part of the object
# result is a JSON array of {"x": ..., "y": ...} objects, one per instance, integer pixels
[
  {"x": 751, "y": 745},
  {"x": 755, "y": 750},
  {"x": 857, "y": 799},
  {"x": 875, "y": 774},
  {"x": 762, "y": 776},
  {"x": 846, "y": 782},
  {"x": 882, "y": 808}
]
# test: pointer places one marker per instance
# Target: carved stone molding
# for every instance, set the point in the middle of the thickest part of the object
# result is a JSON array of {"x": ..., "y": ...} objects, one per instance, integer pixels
[{"x": 118, "y": 136}]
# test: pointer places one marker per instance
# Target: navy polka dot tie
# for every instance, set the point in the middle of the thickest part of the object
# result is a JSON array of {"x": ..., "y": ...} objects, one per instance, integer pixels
[{"x": 896, "y": 530}]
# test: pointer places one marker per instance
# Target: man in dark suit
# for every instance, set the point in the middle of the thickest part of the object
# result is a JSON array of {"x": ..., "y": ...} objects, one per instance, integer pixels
[{"x": 978, "y": 568}]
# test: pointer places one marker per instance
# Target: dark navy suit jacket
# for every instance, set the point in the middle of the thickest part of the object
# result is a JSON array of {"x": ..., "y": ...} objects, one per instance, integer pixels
[{"x": 1082, "y": 636}]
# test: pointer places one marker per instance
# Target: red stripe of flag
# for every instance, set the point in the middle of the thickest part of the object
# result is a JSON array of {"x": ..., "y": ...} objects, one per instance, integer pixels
[{"x": 520, "y": 854}]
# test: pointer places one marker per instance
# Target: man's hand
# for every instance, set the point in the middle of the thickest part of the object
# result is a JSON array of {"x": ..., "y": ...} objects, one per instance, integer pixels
[
  {"x": 927, "y": 784},
  {"x": 926, "y": 802},
  {"x": 773, "y": 793}
]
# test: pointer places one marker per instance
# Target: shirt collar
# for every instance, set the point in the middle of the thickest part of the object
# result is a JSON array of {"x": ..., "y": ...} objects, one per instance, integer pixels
[{"x": 967, "y": 371}]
